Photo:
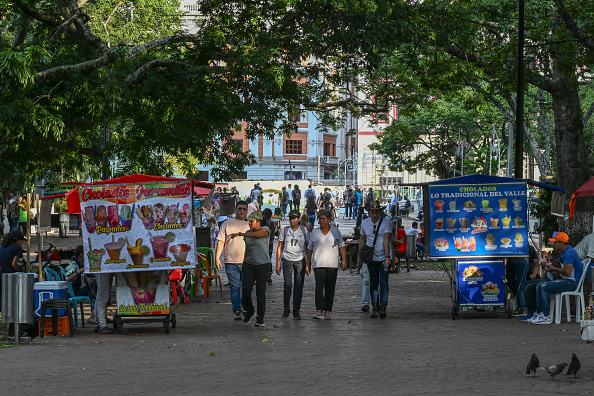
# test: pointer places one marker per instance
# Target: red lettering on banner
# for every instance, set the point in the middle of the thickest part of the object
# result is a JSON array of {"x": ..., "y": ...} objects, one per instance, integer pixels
[
  {"x": 118, "y": 192},
  {"x": 179, "y": 190}
]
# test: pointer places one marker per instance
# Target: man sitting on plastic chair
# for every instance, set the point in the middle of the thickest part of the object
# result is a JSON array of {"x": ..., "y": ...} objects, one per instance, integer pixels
[
  {"x": 566, "y": 272},
  {"x": 74, "y": 273}
]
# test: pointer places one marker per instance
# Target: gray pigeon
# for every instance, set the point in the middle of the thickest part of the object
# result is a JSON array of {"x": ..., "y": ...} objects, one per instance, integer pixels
[
  {"x": 574, "y": 366},
  {"x": 532, "y": 365},
  {"x": 555, "y": 369}
]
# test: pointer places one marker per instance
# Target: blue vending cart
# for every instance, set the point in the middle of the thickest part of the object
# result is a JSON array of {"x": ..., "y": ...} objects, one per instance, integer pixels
[{"x": 477, "y": 221}]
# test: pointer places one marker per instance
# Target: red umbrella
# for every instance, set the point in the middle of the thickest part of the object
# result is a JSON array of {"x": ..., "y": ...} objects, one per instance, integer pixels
[{"x": 586, "y": 189}]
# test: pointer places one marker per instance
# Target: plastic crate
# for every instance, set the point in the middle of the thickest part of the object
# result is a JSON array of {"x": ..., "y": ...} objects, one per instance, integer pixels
[{"x": 63, "y": 326}]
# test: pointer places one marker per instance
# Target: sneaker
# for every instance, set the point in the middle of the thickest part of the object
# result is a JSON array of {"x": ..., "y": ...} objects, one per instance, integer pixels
[
  {"x": 374, "y": 314},
  {"x": 328, "y": 315},
  {"x": 296, "y": 315},
  {"x": 543, "y": 320},
  {"x": 519, "y": 312},
  {"x": 260, "y": 323},
  {"x": 365, "y": 308},
  {"x": 535, "y": 317},
  {"x": 319, "y": 314},
  {"x": 248, "y": 317},
  {"x": 382, "y": 313},
  {"x": 106, "y": 330},
  {"x": 527, "y": 318},
  {"x": 286, "y": 313},
  {"x": 237, "y": 315},
  {"x": 91, "y": 321}
]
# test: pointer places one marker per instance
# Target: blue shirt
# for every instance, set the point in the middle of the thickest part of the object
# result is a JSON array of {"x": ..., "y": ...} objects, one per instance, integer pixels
[
  {"x": 359, "y": 198},
  {"x": 570, "y": 256}
]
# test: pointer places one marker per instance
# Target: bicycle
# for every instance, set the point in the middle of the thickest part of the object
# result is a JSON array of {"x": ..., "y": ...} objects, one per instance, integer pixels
[{"x": 51, "y": 254}]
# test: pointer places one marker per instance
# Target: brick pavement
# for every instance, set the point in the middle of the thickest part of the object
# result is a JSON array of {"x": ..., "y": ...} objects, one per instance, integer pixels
[{"x": 418, "y": 349}]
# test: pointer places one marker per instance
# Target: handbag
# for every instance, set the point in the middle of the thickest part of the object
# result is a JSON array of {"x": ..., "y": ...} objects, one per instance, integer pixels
[{"x": 366, "y": 252}]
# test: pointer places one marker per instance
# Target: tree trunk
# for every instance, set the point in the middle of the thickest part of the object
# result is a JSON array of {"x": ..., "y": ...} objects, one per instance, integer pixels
[{"x": 572, "y": 158}]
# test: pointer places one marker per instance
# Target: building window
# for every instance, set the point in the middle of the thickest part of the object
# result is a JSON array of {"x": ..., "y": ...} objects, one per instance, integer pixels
[
  {"x": 296, "y": 114},
  {"x": 202, "y": 176},
  {"x": 294, "y": 147},
  {"x": 239, "y": 176},
  {"x": 327, "y": 149},
  {"x": 238, "y": 143}
]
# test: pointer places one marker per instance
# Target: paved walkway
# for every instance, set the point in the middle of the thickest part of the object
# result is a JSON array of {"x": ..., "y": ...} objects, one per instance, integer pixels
[{"x": 418, "y": 349}]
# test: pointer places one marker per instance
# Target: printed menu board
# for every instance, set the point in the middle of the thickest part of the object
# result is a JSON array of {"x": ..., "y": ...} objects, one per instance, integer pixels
[
  {"x": 143, "y": 227},
  {"x": 480, "y": 282},
  {"x": 486, "y": 220}
]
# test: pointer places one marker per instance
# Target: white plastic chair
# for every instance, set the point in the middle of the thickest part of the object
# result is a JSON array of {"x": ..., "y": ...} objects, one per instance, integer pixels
[{"x": 557, "y": 299}]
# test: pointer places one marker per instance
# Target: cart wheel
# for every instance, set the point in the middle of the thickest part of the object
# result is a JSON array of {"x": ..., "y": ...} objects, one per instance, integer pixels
[
  {"x": 121, "y": 330},
  {"x": 167, "y": 328},
  {"x": 173, "y": 321},
  {"x": 508, "y": 311},
  {"x": 186, "y": 300}
]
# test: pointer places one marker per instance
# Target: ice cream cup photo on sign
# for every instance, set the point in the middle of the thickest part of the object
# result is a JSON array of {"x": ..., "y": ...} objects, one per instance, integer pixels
[
  {"x": 439, "y": 223},
  {"x": 451, "y": 222},
  {"x": 464, "y": 222}
]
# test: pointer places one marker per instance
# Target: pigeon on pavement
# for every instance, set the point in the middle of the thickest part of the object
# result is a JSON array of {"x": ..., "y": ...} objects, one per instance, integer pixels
[
  {"x": 555, "y": 369},
  {"x": 574, "y": 366},
  {"x": 532, "y": 365}
]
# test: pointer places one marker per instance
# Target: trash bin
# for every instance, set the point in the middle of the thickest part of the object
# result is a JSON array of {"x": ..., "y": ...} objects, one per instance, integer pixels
[
  {"x": 17, "y": 298},
  {"x": 45, "y": 291}
]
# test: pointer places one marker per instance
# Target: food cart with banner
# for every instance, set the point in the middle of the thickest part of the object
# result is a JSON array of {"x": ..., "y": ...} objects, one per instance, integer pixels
[
  {"x": 138, "y": 227},
  {"x": 477, "y": 221}
]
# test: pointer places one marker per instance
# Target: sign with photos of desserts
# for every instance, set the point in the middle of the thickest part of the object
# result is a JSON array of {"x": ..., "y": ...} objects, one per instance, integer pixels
[
  {"x": 478, "y": 220},
  {"x": 142, "y": 227}
]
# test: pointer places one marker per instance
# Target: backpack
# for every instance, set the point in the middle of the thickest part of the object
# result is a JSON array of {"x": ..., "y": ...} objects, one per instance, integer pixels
[
  {"x": 309, "y": 193},
  {"x": 354, "y": 198},
  {"x": 327, "y": 203},
  {"x": 285, "y": 196},
  {"x": 15, "y": 210},
  {"x": 296, "y": 194}
]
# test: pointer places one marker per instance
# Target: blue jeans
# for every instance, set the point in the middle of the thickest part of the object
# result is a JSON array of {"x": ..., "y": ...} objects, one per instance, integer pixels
[
  {"x": 378, "y": 277},
  {"x": 355, "y": 210},
  {"x": 517, "y": 269},
  {"x": 296, "y": 268},
  {"x": 545, "y": 289},
  {"x": 235, "y": 276},
  {"x": 312, "y": 220},
  {"x": 348, "y": 209},
  {"x": 365, "y": 288}
]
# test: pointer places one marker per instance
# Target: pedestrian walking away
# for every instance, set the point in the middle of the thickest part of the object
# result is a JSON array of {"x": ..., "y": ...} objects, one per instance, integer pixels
[
  {"x": 375, "y": 234},
  {"x": 290, "y": 256},
  {"x": 234, "y": 249},
  {"x": 256, "y": 265},
  {"x": 325, "y": 245}
]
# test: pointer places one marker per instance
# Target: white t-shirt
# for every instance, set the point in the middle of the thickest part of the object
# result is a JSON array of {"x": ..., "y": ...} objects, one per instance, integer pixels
[
  {"x": 234, "y": 247},
  {"x": 325, "y": 248},
  {"x": 295, "y": 243},
  {"x": 412, "y": 231},
  {"x": 367, "y": 229}
]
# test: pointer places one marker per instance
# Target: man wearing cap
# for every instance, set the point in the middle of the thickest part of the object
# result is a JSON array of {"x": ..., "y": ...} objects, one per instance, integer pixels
[
  {"x": 292, "y": 247},
  {"x": 234, "y": 253},
  {"x": 568, "y": 269},
  {"x": 378, "y": 268}
]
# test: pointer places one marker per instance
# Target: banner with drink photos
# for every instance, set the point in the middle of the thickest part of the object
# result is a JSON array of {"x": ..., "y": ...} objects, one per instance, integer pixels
[
  {"x": 141, "y": 227},
  {"x": 486, "y": 220}
]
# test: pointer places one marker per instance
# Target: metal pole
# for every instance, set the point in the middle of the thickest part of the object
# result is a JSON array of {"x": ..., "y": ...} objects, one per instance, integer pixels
[
  {"x": 28, "y": 208},
  {"x": 38, "y": 239},
  {"x": 510, "y": 150},
  {"x": 318, "y": 170},
  {"x": 519, "y": 154}
]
